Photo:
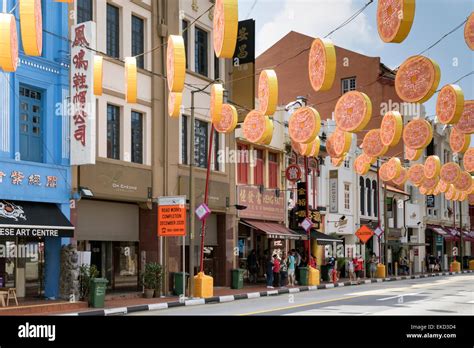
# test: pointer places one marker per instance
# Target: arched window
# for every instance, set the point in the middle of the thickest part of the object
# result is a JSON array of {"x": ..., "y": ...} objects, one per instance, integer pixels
[
  {"x": 376, "y": 198},
  {"x": 369, "y": 197},
  {"x": 362, "y": 196}
]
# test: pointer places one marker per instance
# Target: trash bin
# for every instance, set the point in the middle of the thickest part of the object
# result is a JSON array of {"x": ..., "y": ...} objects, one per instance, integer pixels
[
  {"x": 304, "y": 275},
  {"x": 324, "y": 273},
  {"x": 237, "y": 278},
  {"x": 97, "y": 287},
  {"x": 178, "y": 282}
]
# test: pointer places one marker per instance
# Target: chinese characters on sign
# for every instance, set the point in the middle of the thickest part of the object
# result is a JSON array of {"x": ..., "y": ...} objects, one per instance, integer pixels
[
  {"x": 301, "y": 201},
  {"x": 245, "y": 48},
  {"x": 261, "y": 206},
  {"x": 83, "y": 127},
  {"x": 17, "y": 178},
  {"x": 293, "y": 173}
]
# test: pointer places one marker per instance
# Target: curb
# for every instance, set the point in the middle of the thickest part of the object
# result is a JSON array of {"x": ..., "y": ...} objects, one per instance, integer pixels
[{"x": 250, "y": 295}]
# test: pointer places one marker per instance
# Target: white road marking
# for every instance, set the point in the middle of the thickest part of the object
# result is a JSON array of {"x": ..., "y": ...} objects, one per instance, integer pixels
[{"x": 398, "y": 296}]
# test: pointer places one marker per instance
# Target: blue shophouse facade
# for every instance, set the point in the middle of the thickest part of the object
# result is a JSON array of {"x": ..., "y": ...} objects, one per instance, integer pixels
[{"x": 34, "y": 151}]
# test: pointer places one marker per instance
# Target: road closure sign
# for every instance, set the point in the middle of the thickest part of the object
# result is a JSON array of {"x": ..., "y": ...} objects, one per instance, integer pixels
[
  {"x": 364, "y": 233},
  {"x": 172, "y": 216}
]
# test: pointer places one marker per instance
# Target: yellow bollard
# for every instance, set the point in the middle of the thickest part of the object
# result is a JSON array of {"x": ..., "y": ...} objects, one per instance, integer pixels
[
  {"x": 380, "y": 270},
  {"x": 313, "y": 276},
  {"x": 471, "y": 265},
  {"x": 455, "y": 266},
  {"x": 203, "y": 286}
]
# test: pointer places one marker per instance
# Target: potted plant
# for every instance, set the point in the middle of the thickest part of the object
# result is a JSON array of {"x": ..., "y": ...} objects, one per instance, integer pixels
[{"x": 152, "y": 279}]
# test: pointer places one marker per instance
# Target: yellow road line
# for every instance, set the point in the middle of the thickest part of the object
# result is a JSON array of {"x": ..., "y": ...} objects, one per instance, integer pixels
[{"x": 301, "y": 305}]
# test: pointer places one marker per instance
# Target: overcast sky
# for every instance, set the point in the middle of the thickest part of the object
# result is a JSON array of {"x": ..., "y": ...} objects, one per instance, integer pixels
[{"x": 433, "y": 19}]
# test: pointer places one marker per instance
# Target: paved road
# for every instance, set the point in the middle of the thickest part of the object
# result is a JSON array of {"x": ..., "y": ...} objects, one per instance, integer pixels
[{"x": 452, "y": 295}]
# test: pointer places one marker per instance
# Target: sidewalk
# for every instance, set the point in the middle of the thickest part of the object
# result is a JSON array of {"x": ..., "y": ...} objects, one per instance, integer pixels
[{"x": 124, "y": 306}]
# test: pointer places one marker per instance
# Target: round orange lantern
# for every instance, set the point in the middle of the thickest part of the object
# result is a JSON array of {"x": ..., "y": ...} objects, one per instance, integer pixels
[
  {"x": 471, "y": 199},
  {"x": 229, "y": 119},
  {"x": 417, "y": 79},
  {"x": 322, "y": 64},
  {"x": 268, "y": 92},
  {"x": 31, "y": 23},
  {"x": 226, "y": 26},
  {"x": 394, "y": 19},
  {"x": 416, "y": 174},
  {"x": 131, "y": 79},
  {"x": 391, "y": 169},
  {"x": 401, "y": 178},
  {"x": 337, "y": 161},
  {"x": 463, "y": 182},
  {"x": 412, "y": 154},
  {"x": 466, "y": 122},
  {"x": 255, "y": 127},
  {"x": 442, "y": 186},
  {"x": 217, "y": 99},
  {"x": 304, "y": 125},
  {"x": 469, "y": 31},
  {"x": 468, "y": 160},
  {"x": 391, "y": 128},
  {"x": 372, "y": 144},
  {"x": 450, "y": 104},
  {"x": 432, "y": 167},
  {"x": 361, "y": 165},
  {"x": 8, "y": 43},
  {"x": 418, "y": 134},
  {"x": 342, "y": 142},
  {"x": 458, "y": 141},
  {"x": 450, "y": 172},
  {"x": 353, "y": 111},
  {"x": 98, "y": 74},
  {"x": 174, "y": 104},
  {"x": 175, "y": 63},
  {"x": 268, "y": 132}
]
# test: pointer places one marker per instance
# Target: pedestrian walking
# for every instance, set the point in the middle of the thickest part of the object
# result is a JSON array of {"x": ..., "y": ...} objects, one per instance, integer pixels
[
  {"x": 359, "y": 266},
  {"x": 330, "y": 263},
  {"x": 351, "y": 270},
  {"x": 269, "y": 271},
  {"x": 252, "y": 265},
  {"x": 373, "y": 266},
  {"x": 298, "y": 259},
  {"x": 284, "y": 270},
  {"x": 432, "y": 262},
  {"x": 291, "y": 269},
  {"x": 276, "y": 271}
]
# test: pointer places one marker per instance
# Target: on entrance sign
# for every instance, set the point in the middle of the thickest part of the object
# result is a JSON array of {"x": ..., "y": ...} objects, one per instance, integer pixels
[
  {"x": 378, "y": 231},
  {"x": 172, "y": 216},
  {"x": 364, "y": 234},
  {"x": 307, "y": 224}
]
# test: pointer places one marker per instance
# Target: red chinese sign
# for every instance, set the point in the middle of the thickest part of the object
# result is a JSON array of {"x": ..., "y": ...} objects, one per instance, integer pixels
[
  {"x": 261, "y": 206},
  {"x": 293, "y": 173},
  {"x": 82, "y": 96}
]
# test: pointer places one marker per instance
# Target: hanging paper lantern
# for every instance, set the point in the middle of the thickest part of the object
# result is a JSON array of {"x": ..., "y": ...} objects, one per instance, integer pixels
[
  {"x": 466, "y": 122},
  {"x": 417, "y": 79},
  {"x": 226, "y": 26},
  {"x": 392, "y": 169},
  {"x": 268, "y": 92},
  {"x": 416, "y": 174},
  {"x": 322, "y": 64},
  {"x": 442, "y": 186},
  {"x": 424, "y": 191},
  {"x": 131, "y": 79},
  {"x": 372, "y": 144},
  {"x": 268, "y": 132},
  {"x": 418, "y": 134},
  {"x": 312, "y": 149},
  {"x": 463, "y": 182},
  {"x": 412, "y": 154},
  {"x": 450, "y": 193},
  {"x": 217, "y": 99},
  {"x": 436, "y": 191},
  {"x": 450, "y": 172},
  {"x": 450, "y": 104},
  {"x": 468, "y": 160},
  {"x": 394, "y": 19},
  {"x": 175, "y": 63},
  {"x": 430, "y": 184},
  {"x": 342, "y": 142},
  {"x": 361, "y": 165},
  {"x": 228, "y": 120},
  {"x": 469, "y": 31},
  {"x": 391, "y": 128},
  {"x": 463, "y": 196},
  {"x": 304, "y": 125},
  {"x": 8, "y": 43},
  {"x": 470, "y": 198},
  {"x": 353, "y": 111},
  {"x": 174, "y": 104},
  {"x": 98, "y": 74},
  {"x": 471, "y": 189},
  {"x": 297, "y": 148},
  {"x": 31, "y": 24},
  {"x": 255, "y": 127},
  {"x": 432, "y": 167},
  {"x": 458, "y": 141},
  {"x": 383, "y": 172},
  {"x": 401, "y": 178}
]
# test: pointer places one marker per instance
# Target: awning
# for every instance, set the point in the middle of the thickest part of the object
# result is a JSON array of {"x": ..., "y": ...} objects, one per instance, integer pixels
[
  {"x": 273, "y": 230},
  {"x": 321, "y": 238},
  {"x": 437, "y": 229},
  {"x": 396, "y": 190},
  {"x": 32, "y": 219}
]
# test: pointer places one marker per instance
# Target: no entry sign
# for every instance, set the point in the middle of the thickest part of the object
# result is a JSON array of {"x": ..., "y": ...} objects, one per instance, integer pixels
[{"x": 172, "y": 216}]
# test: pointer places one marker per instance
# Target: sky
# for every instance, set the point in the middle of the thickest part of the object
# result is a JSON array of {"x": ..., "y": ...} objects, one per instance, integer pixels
[{"x": 433, "y": 19}]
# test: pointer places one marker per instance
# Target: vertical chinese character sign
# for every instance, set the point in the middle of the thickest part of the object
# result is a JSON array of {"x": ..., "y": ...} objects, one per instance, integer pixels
[{"x": 83, "y": 122}]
